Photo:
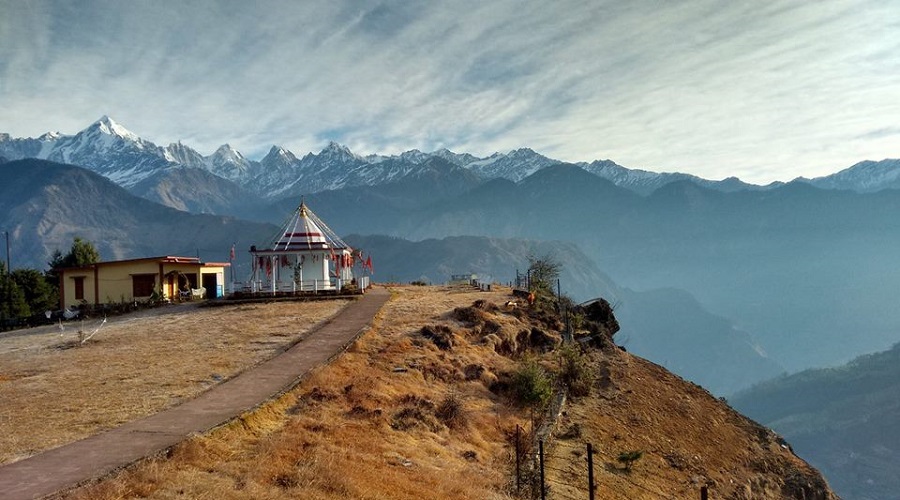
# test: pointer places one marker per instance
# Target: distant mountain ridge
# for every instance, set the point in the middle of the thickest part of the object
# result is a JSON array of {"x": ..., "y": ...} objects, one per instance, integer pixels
[
  {"x": 44, "y": 205},
  {"x": 844, "y": 420},
  {"x": 864, "y": 177},
  {"x": 113, "y": 151}
]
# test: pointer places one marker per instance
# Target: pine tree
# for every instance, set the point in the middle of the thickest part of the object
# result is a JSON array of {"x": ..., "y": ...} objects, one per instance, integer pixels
[
  {"x": 13, "y": 300},
  {"x": 40, "y": 295},
  {"x": 82, "y": 253}
]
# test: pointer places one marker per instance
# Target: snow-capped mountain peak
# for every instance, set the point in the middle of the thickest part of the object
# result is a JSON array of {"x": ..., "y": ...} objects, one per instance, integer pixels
[
  {"x": 50, "y": 136},
  {"x": 108, "y": 126},
  {"x": 336, "y": 150},
  {"x": 227, "y": 154},
  {"x": 864, "y": 177},
  {"x": 515, "y": 165},
  {"x": 184, "y": 155},
  {"x": 229, "y": 163},
  {"x": 110, "y": 149},
  {"x": 277, "y": 154},
  {"x": 415, "y": 156},
  {"x": 461, "y": 159}
]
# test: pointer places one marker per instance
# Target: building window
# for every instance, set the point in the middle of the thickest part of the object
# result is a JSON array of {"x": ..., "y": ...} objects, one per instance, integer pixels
[
  {"x": 143, "y": 285},
  {"x": 79, "y": 287}
]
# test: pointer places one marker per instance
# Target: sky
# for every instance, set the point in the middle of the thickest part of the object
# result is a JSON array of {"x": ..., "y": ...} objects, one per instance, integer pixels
[{"x": 762, "y": 90}]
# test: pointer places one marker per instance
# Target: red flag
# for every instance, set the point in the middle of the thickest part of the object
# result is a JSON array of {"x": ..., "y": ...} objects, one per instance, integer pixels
[{"x": 369, "y": 264}]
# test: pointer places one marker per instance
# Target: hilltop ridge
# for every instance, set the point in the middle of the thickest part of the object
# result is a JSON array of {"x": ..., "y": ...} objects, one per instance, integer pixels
[{"x": 421, "y": 407}]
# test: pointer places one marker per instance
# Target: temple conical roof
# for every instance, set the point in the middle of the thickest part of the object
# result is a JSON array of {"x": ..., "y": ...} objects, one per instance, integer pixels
[{"x": 305, "y": 231}]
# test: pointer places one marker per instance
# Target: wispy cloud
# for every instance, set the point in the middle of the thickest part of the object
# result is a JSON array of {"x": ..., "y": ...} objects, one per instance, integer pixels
[{"x": 764, "y": 90}]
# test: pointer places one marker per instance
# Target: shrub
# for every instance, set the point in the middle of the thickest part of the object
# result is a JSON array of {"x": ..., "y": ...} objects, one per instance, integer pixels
[
  {"x": 574, "y": 373},
  {"x": 441, "y": 335},
  {"x": 416, "y": 412},
  {"x": 473, "y": 371},
  {"x": 485, "y": 305},
  {"x": 628, "y": 458},
  {"x": 531, "y": 384},
  {"x": 490, "y": 326},
  {"x": 451, "y": 412},
  {"x": 468, "y": 315}
]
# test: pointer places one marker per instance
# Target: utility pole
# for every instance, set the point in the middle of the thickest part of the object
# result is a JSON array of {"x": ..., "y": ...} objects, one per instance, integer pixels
[
  {"x": 8, "y": 278},
  {"x": 8, "y": 269}
]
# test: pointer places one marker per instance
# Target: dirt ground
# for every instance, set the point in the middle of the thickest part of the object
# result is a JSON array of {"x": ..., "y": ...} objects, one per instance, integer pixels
[
  {"x": 407, "y": 412},
  {"x": 365, "y": 426},
  {"x": 55, "y": 390},
  {"x": 688, "y": 439}
]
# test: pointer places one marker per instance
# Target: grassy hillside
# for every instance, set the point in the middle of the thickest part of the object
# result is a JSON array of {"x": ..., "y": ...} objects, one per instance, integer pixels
[
  {"x": 424, "y": 406},
  {"x": 667, "y": 326}
]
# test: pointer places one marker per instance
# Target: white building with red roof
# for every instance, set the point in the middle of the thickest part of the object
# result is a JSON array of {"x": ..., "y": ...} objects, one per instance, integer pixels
[{"x": 305, "y": 255}]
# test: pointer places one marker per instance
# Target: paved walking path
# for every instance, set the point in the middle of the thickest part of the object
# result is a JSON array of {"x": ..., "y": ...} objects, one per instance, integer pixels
[{"x": 64, "y": 467}]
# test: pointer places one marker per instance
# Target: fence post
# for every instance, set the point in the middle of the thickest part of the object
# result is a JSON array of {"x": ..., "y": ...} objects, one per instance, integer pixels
[
  {"x": 558, "y": 299},
  {"x": 518, "y": 463},
  {"x": 541, "y": 451},
  {"x": 590, "y": 459},
  {"x": 704, "y": 493}
]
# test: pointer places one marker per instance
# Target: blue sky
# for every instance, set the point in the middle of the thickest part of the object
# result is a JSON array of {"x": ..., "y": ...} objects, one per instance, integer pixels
[{"x": 764, "y": 90}]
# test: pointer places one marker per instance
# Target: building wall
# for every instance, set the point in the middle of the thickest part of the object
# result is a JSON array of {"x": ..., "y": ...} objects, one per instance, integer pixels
[
  {"x": 116, "y": 283},
  {"x": 113, "y": 282},
  {"x": 67, "y": 297},
  {"x": 219, "y": 273}
]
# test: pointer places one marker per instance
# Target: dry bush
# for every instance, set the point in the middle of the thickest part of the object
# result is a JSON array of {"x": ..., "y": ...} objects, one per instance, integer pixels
[
  {"x": 441, "y": 372},
  {"x": 492, "y": 341},
  {"x": 542, "y": 340},
  {"x": 485, "y": 305},
  {"x": 490, "y": 326},
  {"x": 470, "y": 316},
  {"x": 319, "y": 394},
  {"x": 451, "y": 411},
  {"x": 441, "y": 335},
  {"x": 503, "y": 343},
  {"x": 488, "y": 379},
  {"x": 415, "y": 412},
  {"x": 473, "y": 371},
  {"x": 416, "y": 401}
]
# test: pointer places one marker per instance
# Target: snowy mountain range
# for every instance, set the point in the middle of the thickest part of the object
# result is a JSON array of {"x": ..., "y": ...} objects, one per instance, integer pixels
[{"x": 113, "y": 151}]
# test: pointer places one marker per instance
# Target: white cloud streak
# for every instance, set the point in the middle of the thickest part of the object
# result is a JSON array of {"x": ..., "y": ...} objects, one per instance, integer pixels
[{"x": 763, "y": 90}]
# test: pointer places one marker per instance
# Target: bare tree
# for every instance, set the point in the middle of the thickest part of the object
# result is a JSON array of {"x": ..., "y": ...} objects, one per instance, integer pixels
[{"x": 543, "y": 272}]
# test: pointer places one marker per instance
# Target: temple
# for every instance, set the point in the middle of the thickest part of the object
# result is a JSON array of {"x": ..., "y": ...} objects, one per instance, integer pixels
[{"x": 305, "y": 255}]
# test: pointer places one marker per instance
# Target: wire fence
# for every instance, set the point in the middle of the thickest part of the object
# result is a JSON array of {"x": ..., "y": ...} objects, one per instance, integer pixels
[
  {"x": 531, "y": 478},
  {"x": 535, "y": 483}
]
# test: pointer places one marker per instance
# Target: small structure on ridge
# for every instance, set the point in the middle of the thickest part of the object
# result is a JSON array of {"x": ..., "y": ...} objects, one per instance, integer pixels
[{"x": 304, "y": 256}]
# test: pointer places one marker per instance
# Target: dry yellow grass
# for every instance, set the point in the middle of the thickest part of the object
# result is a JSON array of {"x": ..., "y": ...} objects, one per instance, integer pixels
[
  {"x": 688, "y": 439},
  {"x": 54, "y": 390},
  {"x": 341, "y": 433},
  {"x": 370, "y": 425}
]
